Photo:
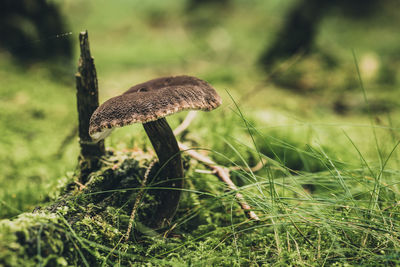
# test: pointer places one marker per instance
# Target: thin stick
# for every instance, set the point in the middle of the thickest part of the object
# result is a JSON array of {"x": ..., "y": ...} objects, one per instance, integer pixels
[
  {"x": 223, "y": 174},
  {"x": 186, "y": 122},
  {"x": 138, "y": 198},
  {"x": 255, "y": 168}
]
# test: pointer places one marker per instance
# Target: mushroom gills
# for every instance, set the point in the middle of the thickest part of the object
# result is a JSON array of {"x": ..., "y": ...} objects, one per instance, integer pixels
[{"x": 98, "y": 136}]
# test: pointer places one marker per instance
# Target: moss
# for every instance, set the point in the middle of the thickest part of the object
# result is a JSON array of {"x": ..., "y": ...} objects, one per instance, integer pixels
[
  {"x": 69, "y": 229},
  {"x": 33, "y": 238},
  {"x": 84, "y": 224}
]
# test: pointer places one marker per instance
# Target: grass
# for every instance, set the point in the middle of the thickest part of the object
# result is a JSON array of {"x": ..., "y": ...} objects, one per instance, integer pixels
[{"x": 328, "y": 193}]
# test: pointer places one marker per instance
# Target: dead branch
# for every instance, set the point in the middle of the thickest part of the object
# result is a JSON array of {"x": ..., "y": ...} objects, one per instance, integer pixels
[
  {"x": 186, "y": 122},
  {"x": 255, "y": 168},
  {"x": 223, "y": 174}
]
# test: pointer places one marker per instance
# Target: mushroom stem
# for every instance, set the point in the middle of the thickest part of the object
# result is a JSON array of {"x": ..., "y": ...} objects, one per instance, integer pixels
[{"x": 164, "y": 142}]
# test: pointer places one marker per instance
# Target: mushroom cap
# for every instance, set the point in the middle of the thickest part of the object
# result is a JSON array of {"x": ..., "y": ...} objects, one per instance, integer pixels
[{"x": 152, "y": 100}]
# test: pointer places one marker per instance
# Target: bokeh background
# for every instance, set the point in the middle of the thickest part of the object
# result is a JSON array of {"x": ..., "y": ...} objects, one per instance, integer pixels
[{"x": 307, "y": 74}]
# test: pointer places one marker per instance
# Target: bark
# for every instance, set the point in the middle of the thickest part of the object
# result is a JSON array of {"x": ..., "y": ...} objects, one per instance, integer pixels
[{"x": 87, "y": 100}]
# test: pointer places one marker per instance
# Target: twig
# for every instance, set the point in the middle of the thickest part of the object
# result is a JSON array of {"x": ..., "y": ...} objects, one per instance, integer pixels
[
  {"x": 223, "y": 174},
  {"x": 186, "y": 122},
  {"x": 138, "y": 198},
  {"x": 255, "y": 168}
]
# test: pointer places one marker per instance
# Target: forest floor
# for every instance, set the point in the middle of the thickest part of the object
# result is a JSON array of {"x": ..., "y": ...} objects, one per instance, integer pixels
[{"x": 326, "y": 127}]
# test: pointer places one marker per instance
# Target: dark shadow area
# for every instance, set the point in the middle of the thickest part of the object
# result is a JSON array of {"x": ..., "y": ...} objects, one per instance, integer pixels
[
  {"x": 302, "y": 24},
  {"x": 34, "y": 31}
]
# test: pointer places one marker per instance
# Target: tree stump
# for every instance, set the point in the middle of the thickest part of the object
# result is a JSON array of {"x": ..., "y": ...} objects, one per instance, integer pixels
[{"x": 88, "y": 101}]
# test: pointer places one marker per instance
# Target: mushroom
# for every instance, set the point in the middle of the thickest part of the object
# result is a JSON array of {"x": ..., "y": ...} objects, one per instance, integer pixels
[{"x": 149, "y": 103}]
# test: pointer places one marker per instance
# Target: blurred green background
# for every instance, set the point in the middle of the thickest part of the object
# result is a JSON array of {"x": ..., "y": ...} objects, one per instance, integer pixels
[{"x": 311, "y": 97}]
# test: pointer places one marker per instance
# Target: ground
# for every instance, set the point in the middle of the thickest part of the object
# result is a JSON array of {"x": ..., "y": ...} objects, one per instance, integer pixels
[{"x": 325, "y": 125}]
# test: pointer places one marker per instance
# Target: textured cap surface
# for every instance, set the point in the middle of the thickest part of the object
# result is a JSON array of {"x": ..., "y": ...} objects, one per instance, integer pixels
[{"x": 152, "y": 100}]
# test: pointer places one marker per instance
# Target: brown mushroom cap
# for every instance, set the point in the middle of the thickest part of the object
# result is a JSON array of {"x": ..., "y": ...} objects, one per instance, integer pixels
[{"x": 152, "y": 100}]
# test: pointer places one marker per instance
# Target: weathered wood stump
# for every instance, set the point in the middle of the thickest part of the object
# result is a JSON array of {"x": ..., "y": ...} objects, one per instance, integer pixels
[{"x": 88, "y": 101}]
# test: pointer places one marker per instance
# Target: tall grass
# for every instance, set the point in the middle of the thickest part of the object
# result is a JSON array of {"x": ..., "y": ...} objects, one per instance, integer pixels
[
  {"x": 318, "y": 216},
  {"x": 328, "y": 192}
]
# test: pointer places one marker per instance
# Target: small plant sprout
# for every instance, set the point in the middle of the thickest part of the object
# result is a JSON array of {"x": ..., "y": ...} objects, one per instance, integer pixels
[{"x": 148, "y": 103}]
